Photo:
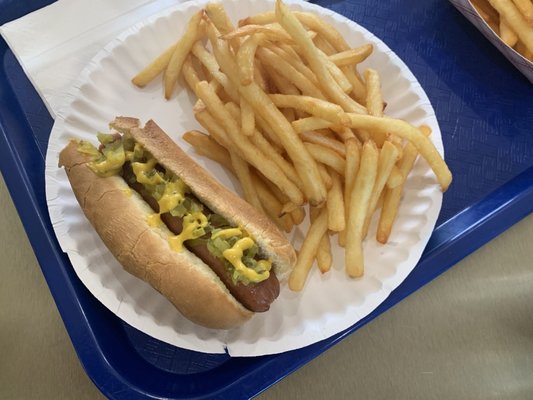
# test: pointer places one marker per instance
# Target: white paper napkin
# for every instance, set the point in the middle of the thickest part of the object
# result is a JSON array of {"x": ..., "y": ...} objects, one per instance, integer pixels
[{"x": 55, "y": 43}]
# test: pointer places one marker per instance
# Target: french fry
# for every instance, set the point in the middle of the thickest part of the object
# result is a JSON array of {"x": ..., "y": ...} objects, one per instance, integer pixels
[
  {"x": 327, "y": 157},
  {"x": 272, "y": 32},
  {"x": 153, "y": 69},
  {"x": 357, "y": 209},
  {"x": 318, "y": 138},
  {"x": 298, "y": 215},
  {"x": 526, "y": 9},
  {"x": 353, "y": 159},
  {"x": 217, "y": 15},
  {"x": 319, "y": 108},
  {"x": 182, "y": 49},
  {"x": 507, "y": 34},
  {"x": 247, "y": 119},
  {"x": 522, "y": 49},
  {"x": 323, "y": 252},
  {"x": 387, "y": 159},
  {"x": 324, "y": 174},
  {"x": 515, "y": 20},
  {"x": 306, "y": 167},
  {"x": 335, "y": 204},
  {"x": 271, "y": 205},
  {"x": 208, "y": 147},
  {"x": 211, "y": 125},
  {"x": 395, "y": 178},
  {"x": 307, "y": 253},
  {"x": 246, "y": 56},
  {"x": 207, "y": 59},
  {"x": 406, "y": 131},
  {"x": 286, "y": 70},
  {"x": 352, "y": 56},
  {"x": 337, "y": 74},
  {"x": 392, "y": 197},
  {"x": 242, "y": 172},
  {"x": 290, "y": 56},
  {"x": 316, "y": 59},
  {"x": 310, "y": 124},
  {"x": 374, "y": 102},
  {"x": 245, "y": 148},
  {"x": 266, "y": 148}
]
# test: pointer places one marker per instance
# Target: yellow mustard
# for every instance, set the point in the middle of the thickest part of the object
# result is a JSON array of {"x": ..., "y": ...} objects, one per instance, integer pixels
[
  {"x": 227, "y": 233},
  {"x": 234, "y": 256},
  {"x": 191, "y": 230}
]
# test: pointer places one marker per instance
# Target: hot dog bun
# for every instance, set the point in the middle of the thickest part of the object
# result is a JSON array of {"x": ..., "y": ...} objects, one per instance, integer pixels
[{"x": 119, "y": 216}]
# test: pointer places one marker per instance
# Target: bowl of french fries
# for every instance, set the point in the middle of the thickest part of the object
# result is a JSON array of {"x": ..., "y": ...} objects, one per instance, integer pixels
[
  {"x": 508, "y": 24},
  {"x": 308, "y": 116}
]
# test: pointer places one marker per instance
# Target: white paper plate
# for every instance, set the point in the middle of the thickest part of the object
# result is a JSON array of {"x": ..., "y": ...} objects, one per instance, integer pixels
[{"x": 329, "y": 303}]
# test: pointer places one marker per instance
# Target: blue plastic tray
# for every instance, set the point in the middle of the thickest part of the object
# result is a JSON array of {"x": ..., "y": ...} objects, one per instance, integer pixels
[{"x": 484, "y": 106}]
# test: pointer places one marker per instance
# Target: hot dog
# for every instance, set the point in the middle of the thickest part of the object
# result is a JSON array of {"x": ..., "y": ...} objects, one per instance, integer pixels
[{"x": 171, "y": 224}]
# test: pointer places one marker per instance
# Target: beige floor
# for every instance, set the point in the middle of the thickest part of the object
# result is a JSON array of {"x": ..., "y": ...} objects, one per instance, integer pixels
[{"x": 466, "y": 335}]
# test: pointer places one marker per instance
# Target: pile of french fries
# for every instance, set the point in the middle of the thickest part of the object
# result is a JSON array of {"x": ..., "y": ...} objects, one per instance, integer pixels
[
  {"x": 511, "y": 20},
  {"x": 286, "y": 110}
]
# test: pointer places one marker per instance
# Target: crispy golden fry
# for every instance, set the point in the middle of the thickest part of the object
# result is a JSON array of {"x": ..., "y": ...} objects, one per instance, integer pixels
[
  {"x": 290, "y": 56},
  {"x": 324, "y": 46},
  {"x": 271, "y": 205},
  {"x": 317, "y": 138},
  {"x": 316, "y": 59},
  {"x": 266, "y": 148},
  {"x": 344, "y": 134},
  {"x": 298, "y": 215},
  {"x": 181, "y": 51},
  {"x": 260, "y": 76},
  {"x": 242, "y": 172},
  {"x": 246, "y": 56},
  {"x": 319, "y": 108},
  {"x": 286, "y": 70},
  {"x": 244, "y": 147},
  {"x": 387, "y": 159},
  {"x": 353, "y": 159},
  {"x": 211, "y": 125},
  {"x": 352, "y": 56},
  {"x": 335, "y": 204},
  {"x": 323, "y": 252},
  {"x": 395, "y": 178},
  {"x": 522, "y": 49},
  {"x": 337, "y": 74},
  {"x": 190, "y": 74},
  {"x": 263, "y": 106},
  {"x": 153, "y": 69},
  {"x": 269, "y": 133},
  {"x": 324, "y": 174},
  {"x": 208, "y": 147},
  {"x": 507, "y": 34},
  {"x": 374, "y": 102},
  {"x": 357, "y": 209},
  {"x": 307, "y": 253},
  {"x": 207, "y": 59},
  {"x": 327, "y": 157},
  {"x": 247, "y": 119},
  {"x": 392, "y": 197},
  {"x": 217, "y": 15},
  {"x": 273, "y": 32},
  {"x": 515, "y": 20},
  {"x": 526, "y": 9},
  {"x": 310, "y": 124},
  {"x": 409, "y": 132}
]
